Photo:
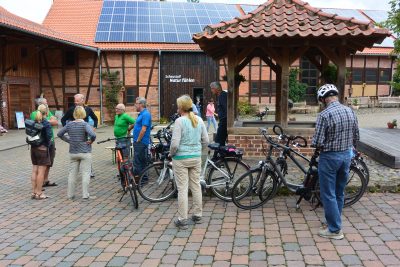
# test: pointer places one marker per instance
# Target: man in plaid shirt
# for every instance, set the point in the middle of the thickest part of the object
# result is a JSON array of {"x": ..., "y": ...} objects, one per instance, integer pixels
[{"x": 336, "y": 132}]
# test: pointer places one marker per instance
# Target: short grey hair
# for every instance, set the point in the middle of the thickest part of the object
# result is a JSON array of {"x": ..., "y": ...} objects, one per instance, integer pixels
[
  {"x": 40, "y": 100},
  {"x": 81, "y": 96},
  {"x": 216, "y": 85},
  {"x": 141, "y": 100}
]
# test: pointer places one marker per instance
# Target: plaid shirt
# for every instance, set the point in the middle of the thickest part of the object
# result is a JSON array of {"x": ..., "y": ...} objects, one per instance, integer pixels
[{"x": 336, "y": 128}]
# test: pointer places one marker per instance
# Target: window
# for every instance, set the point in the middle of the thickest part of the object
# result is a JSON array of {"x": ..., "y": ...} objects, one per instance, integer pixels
[
  {"x": 70, "y": 58},
  {"x": 357, "y": 75},
  {"x": 130, "y": 95},
  {"x": 265, "y": 88},
  {"x": 371, "y": 75},
  {"x": 384, "y": 76}
]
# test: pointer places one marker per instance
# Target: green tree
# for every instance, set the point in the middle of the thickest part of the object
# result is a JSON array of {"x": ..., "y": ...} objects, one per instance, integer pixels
[
  {"x": 393, "y": 23},
  {"x": 297, "y": 90},
  {"x": 112, "y": 90}
]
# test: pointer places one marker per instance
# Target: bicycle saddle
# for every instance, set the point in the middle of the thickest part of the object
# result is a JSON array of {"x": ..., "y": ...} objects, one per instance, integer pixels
[{"x": 214, "y": 146}]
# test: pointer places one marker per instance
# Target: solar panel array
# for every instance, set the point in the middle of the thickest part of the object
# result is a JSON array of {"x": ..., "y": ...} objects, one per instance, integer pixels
[
  {"x": 348, "y": 13},
  {"x": 170, "y": 22},
  {"x": 248, "y": 8},
  {"x": 377, "y": 15}
]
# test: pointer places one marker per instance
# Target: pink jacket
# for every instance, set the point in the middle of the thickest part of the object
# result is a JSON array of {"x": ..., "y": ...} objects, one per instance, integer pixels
[{"x": 210, "y": 110}]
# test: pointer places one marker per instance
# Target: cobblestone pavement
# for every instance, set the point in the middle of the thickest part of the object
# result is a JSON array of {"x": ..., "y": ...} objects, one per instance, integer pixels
[{"x": 104, "y": 232}]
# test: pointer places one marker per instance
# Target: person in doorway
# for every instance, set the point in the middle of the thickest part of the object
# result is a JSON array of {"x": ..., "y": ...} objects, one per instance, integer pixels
[
  {"x": 80, "y": 138},
  {"x": 222, "y": 99},
  {"x": 79, "y": 100},
  {"x": 40, "y": 154},
  {"x": 336, "y": 132},
  {"x": 189, "y": 136},
  {"x": 141, "y": 137},
  {"x": 52, "y": 149},
  {"x": 210, "y": 114},
  {"x": 198, "y": 106}
]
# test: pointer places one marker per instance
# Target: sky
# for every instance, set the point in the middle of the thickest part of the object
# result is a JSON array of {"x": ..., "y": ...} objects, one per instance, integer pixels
[{"x": 36, "y": 10}]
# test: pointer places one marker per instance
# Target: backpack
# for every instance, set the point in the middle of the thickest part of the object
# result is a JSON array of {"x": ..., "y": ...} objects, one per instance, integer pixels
[{"x": 33, "y": 132}]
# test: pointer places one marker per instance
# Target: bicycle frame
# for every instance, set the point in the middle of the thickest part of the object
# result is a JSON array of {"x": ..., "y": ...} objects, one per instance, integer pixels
[{"x": 203, "y": 173}]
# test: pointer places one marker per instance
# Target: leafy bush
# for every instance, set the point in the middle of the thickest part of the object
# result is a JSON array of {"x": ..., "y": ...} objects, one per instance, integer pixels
[
  {"x": 396, "y": 82},
  {"x": 163, "y": 120},
  {"x": 297, "y": 90},
  {"x": 245, "y": 108},
  {"x": 111, "y": 91},
  {"x": 329, "y": 74}
]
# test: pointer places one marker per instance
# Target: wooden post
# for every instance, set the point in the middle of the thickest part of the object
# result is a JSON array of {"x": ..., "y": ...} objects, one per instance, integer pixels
[
  {"x": 231, "y": 87},
  {"x": 285, "y": 64},
  {"x": 341, "y": 77}
]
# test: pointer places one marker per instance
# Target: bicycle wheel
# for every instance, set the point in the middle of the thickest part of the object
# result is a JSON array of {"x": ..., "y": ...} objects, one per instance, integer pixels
[
  {"x": 355, "y": 187},
  {"x": 363, "y": 168},
  {"x": 132, "y": 191},
  {"x": 254, "y": 188},
  {"x": 221, "y": 186},
  {"x": 156, "y": 183}
]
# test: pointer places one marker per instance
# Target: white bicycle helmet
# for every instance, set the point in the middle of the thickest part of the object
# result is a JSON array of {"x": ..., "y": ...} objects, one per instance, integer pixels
[{"x": 327, "y": 90}]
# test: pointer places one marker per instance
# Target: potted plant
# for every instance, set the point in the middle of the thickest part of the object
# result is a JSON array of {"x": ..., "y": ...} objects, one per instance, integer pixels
[
  {"x": 392, "y": 124},
  {"x": 354, "y": 104}
]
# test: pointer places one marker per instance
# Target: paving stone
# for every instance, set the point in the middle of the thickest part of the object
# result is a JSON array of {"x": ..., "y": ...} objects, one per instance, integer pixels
[
  {"x": 350, "y": 260},
  {"x": 204, "y": 260},
  {"x": 189, "y": 255},
  {"x": 117, "y": 261}
]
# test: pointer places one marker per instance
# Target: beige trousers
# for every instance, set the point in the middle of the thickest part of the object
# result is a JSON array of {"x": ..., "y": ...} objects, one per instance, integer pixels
[
  {"x": 82, "y": 162},
  {"x": 187, "y": 175}
]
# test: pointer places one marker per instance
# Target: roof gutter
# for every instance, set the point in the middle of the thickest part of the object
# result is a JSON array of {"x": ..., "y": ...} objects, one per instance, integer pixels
[{"x": 90, "y": 48}]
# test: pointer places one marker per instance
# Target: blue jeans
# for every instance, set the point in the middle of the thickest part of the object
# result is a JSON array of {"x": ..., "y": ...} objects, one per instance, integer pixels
[
  {"x": 139, "y": 157},
  {"x": 333, "y": 171},
  {"x": 211, "y": 119}
]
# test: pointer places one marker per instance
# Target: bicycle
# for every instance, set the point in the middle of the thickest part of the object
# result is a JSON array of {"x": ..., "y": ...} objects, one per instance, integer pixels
[
  {"x": 157, "y": 182},
  {"x": 261, "y": 183},
  {"x": 125, "y": 167}
]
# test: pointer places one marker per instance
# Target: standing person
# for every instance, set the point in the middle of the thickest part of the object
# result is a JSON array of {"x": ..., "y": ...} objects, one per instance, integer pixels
[
  {"x": 222, "y": 96},
  {"x": 141, "y": 137},
  {"x": 210, "y": 115},
  {"x": 80, "y": 138},
  {"x": 52, "y": 149},
  {"x": 40, "y": 155},
  {"x": 188, "y": 138},
  {"x": 336, "y": 132},
  {"x": 123, "y": 124},
  {"x": 79, "y": 100}
]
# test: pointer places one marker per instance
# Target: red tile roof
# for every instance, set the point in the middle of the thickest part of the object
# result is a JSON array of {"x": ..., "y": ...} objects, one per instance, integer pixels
[
  {"x": 288, "y": 18},
  {"x": 376, "y": 51},
  {"x": 11, "y": 21}
]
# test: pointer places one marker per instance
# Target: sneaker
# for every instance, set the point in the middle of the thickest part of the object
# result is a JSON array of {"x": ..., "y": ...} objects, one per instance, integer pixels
[
  {"x": 197, "y": 219},
  {"x": 89, "y": 198},
  {"x": 181, "y": 224},
  {"x": 328, "y": 234}
]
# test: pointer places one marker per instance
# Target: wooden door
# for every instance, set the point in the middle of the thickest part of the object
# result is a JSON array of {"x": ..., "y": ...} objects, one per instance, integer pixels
[{"x": 20, "y": 100}]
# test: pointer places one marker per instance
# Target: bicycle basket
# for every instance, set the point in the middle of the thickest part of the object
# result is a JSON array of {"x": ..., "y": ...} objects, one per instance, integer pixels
[{"x": 122, "y": 143}]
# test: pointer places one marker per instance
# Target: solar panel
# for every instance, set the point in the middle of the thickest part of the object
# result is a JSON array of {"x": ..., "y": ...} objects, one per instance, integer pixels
[
  {"x": 141, "y": 21},
  {"x": 248, "y": 8},
  {"x": 348, "y": 13},
  {"x": 377, "y": 15}
]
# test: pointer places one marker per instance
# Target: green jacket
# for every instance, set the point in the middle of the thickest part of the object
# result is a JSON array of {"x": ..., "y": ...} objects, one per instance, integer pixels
[{"x": 121, "y": 124}]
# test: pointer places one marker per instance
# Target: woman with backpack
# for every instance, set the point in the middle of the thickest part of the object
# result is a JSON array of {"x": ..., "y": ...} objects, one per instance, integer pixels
[{"x": 40, "y": 154}]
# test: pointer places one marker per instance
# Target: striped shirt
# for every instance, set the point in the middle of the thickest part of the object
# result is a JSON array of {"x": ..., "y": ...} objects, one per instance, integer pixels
[
  {"x": 79, "y": 132},
  {"x": 336, "y": 128}
]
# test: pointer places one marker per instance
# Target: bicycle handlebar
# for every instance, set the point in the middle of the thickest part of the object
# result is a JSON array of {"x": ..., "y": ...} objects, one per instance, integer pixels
[{"x": 112, "y": 139}]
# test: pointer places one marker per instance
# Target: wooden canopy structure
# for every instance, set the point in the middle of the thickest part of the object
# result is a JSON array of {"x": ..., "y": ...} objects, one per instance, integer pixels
[{"x": 279, "y": 32}]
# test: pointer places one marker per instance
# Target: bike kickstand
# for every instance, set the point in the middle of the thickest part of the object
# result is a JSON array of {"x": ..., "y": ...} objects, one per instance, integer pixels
[{"x": 122, "y": 196}]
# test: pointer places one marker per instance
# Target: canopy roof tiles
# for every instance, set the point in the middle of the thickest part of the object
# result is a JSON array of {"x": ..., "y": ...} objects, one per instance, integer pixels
[{"x": 290, "y": 19}]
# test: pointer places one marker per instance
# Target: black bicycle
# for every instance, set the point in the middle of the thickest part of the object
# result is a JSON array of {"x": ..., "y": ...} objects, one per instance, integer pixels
[
  {"x": 261, "y": 183},
  {"x": 125, "y": 167}
]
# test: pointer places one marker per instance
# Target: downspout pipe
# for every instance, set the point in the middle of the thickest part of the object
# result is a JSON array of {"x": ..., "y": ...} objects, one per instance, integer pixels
[
  {"x": 101, "y": 86},
  {"x": 159, "y": 84}
]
